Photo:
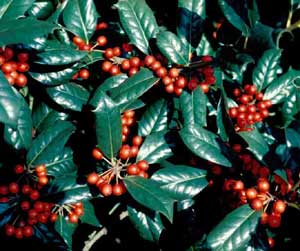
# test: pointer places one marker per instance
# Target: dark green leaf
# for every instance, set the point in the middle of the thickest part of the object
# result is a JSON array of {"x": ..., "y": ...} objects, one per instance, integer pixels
[
  {"x": 108, "y": 123},
  {"x": 148, "y": 227},
  {"x": 91, "y": 58},
  {"x": 204, "y": 47},
  {"x": 61, "y": 164},
  {"x": 136, "y": 104},
  {"x": 266, "y": 69},
  {"x": 282, "y": 174},
  {"x": 155, "y": 148},
  {"x": 71, "y": 96},
  {"x": 291, "y": 107},
  {"x": 10, "y": 103},
  {"x": 50, "y": 142},
  {"x": 56, "y": 14},
  {"x": 281, "y": 87},
  {"x": 113, "y": 82},
  {"x": 155, "y": 118},
  {"x": 148, "y": 193},
  {"x": 233, "y": 17},
  {"x": 181, "y": 182},
  {"x": 12, "y": 32},
  {"x": 256, "y": 143},
  {"x": 66, "y": 230},
  {"x": 6, "y": 213},
  {"x": 235, "y": 230},
  {"x": 80, "y": 17},
  {"x": 253, "y": 13},
  {"x": 20, "y": 136},
  {"x": 41, "y": 9},
  {"x": 193, "y": 107},
  {"x": 138, "y": 21},
  {"x": 172, "y": 48},
  {"x": 13, "y": 9},
  {"x": 292, "y": 138},
  {"x": 89, "y": 215},
  {"x": 134, "y": 87},
  {"x": 204, "y": 144},
  {"x": 60, "y": 56}
]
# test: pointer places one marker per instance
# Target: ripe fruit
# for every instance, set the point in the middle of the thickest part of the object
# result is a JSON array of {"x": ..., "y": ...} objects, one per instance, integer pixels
[
  {"x": 73, "y": 218},
  {"x": 19, "y": 169},
  {"x": 263, "y": 185},
  {"x": 256, "y": 204},
  {"x": 25, "y": 205},
  {"x": 34, "y": 195},
  {"x": 84, "y": 74},
  {"x": 43, "y": 180},
  {"x": 133, "y": 169},
  {"x": 143, "y": 165},
  {"x": 27, "y": 231},
  {"x": 279, "y": 206},
  {"x": 251, "y": 193},
  {"x": 102, "y": 40},
  {"x": 117, "y": 189},
  {"x": 13, "y": 187},
  {"x": 137, "y": 140},
  {"x": 9, "y": 230},
  {"x": 78, "y": 41},
  {"x": 92, "y": 178},
  {"x": 106, "y": 189},
  {"x": 274, "y": 220},
  {"x": 124, "y": 152},
  {"x": 97, "y": 154}
]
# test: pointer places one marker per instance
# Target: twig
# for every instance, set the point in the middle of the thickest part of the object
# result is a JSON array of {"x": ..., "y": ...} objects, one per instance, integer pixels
[{"x": 93, "y": 238}]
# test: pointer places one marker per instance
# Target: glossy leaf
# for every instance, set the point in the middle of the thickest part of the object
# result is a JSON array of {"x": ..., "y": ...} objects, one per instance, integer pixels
[
  {"x": 204, "y": 144},
  {"x": 133, "y": 87},
  {"x": 172, "y": 48},
  {"x": 12, "y": 32},
  {"x": 149, "y": 194},
  {"x": 281, "y": 87},
  {"x": 108, "y": 123},
  {"x": 70, "y": 96},
  {"x": 80, "y": 17},
  {"x": 235, "y": 230},
  {"x": 89, "y": 215},
  {"x": 138, "y": 21},
  {"x": 256, "y": 143},
  {"x": 41, "y": 9},
  {"x": 113, "y": 82},
  {"x": 155, "y": 148},
  {"x": 253, "y": 13},
  {"x": 291, "y": 107},
  {"x": 292, "y": 138},
  {"x": 148, "y": 226},
  {"x": 66, "y": 230},
  {"x": 181, "y": 182},
  {"x": 49, "y": 143},
  {"x": 155, "y": 118},
  {"x": 12, "y": 9},
  {"x": 6, "y": 213},
  {"x": 233, "y": 17},
  {"x": 193, "y": 107},
  {"x": 266, "y": 70},
  {"x": 204, "y": 47}
]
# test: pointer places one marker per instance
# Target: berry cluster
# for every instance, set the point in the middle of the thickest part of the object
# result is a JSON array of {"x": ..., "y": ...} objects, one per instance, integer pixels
[
  {"x": 14, "y": 65},
  {"x": 251, "y": 109},
  {"x": 128, "y": 120}
]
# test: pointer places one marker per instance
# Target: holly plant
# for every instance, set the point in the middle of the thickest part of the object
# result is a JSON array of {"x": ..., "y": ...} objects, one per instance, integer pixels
[{"x": 133, "y": 124}]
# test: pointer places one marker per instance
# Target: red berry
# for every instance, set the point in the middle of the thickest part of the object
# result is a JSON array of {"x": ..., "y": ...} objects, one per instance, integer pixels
[
  {"x": 238, "y": 185},
  {"x": 274, "y": 220},
  {"x": 13, "y": 187},
  {"x": 149, "y": 60},
  {"x": 135, "y": 62},
  {"x": 114, "y": 70},
  {"x": 102, "y": 40},
  {"x": 53, "y": 217},
  {"x": 109, "y": 53},
  {"x": 73, "y": 218},
  {"x": 181, "y": 82},
  {"x": 92, "y": 178},
  {"x": 117, "y": 51},
  {"x": 134, "y": 151},
  {"x": 106, "y": 189},
  {"x": 19, "y": 233},
  {"x": 102, "y": 26},
  {"x": 21, "y": 80},
  {"x": 8, "y": 53},
  {"x": 173, "y": 73},
  {"x": 251, "y": 193},
  {"x": 78, "y": 41},
  {"x": 79, "y": 211},
  {"x": 263, "y": 185},
  {"x": 106, "y": 65},
  {"x": 161, "y": 72},
  {"x": 23, "y": 57},
  {"x": 206, "y": 59},
  {"x": 43, "y": 180},
  {"x": 3, "y": 190},
  {"x": 22, "y": 67},
  {"x": 257, "y": 204},
  {"x": 25, "y": 205},
  {"x": 143, "y": 174},
  {"x": 143, "y": 165},
  {"x": 84, "y": 74},
  {"x": 97, "y": 154},
  {"x": 34, "y": 195},
  {"x": 26, "y": 189},
  {"x": 137, "y": 140},
  {"x": 125, "y": 65},
  {"x": 124, "y": 152},
  {"x": 279, "y": 206},
  {"x": 117, "y": 189},
  {"x": 133, "y": 169},
  {"x": 41, "y": 168},
  {"x": 27, "y": 231},
  {"x": 9, "y": 230}
]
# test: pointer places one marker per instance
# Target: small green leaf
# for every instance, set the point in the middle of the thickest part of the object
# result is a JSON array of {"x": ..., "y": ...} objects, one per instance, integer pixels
[
  {"x": 181, "y": 182},
  {"x": 80, "y": 17},
  {"x": 89, "y": 215},
  {"x": 233, "y": 17},
  {"x": 148, "y": 193},
  {"x": 155, "y": 148},
  {"x": 256, "y": 143},
  {"x": 155, "y": 118},
  {"x": 204, "y": 144},
  {"x": 113, "y": 82},
  {"x": 108, "y": 123},
  {"x": 204, "y": 47},
  {"x": 138, "y": 21},
  {"x": 235, "y": 230},
  {"x": 266, "y": 70},
  {"x": 253, "y": 13},
  {"x": 172, "y": 48},
  {"x": 66, "y": 230},
  {"x": 148, "y": 226},
  {"x": 13, "y": 9},
  {"x": 193, "y": 107},
  {"x": 41, "y": 9},
  {"x": 70, "y": 96}
]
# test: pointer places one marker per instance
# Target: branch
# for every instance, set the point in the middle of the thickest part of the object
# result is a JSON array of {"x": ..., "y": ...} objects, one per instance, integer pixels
[{"x": 93, "y": 237}]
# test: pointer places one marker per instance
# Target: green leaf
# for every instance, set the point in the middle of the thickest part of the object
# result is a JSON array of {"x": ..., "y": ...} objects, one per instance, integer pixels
[
  {"x": 113, "y": 82},
  {"x": 13, "y": 9},
  {"x": 12, "y": 32},
  {"x": 193, "y": 107},
  {"x": 282, "y": 174},
  {"x": 108, "y": 123},
  {"x": 148, "y": 193},
  {"x": 56, "y": 14},
  {"x": 181, "y": 182},
  {"x": 41, "y": 9},
  {"x": 6, "y": 213},
  {"x": 155, "y": 118},
  {"x": 10, "y": 103},
  {"x": 235, "y": 230},
  {"x": 204, "y": 47},
  {"x": 266, "y": 69},
  {"x": 66, "y": 190},
  {"x": 281, "y": 87},
  {"x": 134, "y": 87},
  {"x": 291, "y": 107},
  {"x": 256, "y": 143},
  {"x": 80, "y": 17},
  {"x": 233, "y": 17},
  {"x": 49, "y": 143},
  {"x": 66, "y": 230},
  {"x": 20, "y": 136},
  {"x": 204, "y": 144},
  {"x": 192, "y": 14},
  {"x": 61, "y": 163},
  {"x": 148, "y": 226},
  {"x": 138, "y": 21},
  {"x": 60, "y": 56},
  {"x": 253, "y": 13},
  {"x": 55, "y": 78},
  {"x": 155, "y": 148},
  {"x": 70, "y": 96},
  {"x": 292, "y": 138},
  {"x": 44, "y": 117},
  {"x": 172, "y": 48},
  {"x": 89, "y": 215}
]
